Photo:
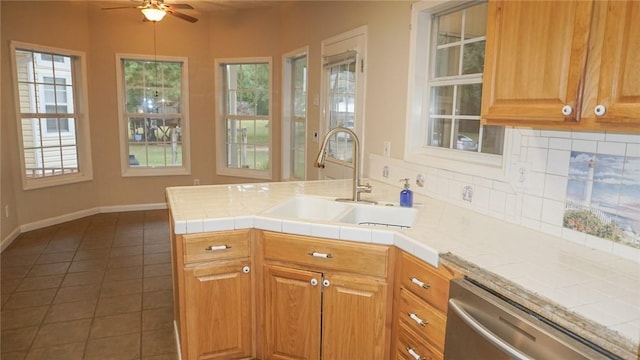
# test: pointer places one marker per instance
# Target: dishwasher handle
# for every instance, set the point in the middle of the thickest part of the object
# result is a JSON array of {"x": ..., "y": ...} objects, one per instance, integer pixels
[{"x": 486, "y": 333}]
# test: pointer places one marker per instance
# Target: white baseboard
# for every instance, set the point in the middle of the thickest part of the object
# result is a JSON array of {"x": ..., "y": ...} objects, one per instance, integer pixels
[{"x": 75, "y": 216}]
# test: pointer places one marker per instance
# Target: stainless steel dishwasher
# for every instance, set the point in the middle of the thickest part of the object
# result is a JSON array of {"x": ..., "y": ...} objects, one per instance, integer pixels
[{"x": 483, "y": 325}]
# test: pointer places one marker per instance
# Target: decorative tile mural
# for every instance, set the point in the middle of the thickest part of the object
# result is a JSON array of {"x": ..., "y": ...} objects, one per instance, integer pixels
[{"x": 603, "y": 197}]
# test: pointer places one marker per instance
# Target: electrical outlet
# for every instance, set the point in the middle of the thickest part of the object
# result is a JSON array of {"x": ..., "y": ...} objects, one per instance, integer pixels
[
  {"x": 385, "y": 171},
  {"x": 420, "y": 180},
  {"x": 387, "y": 149},
  {"x": 522, "y": 173},
  {"x": 196, "y": 182},
  {"x": 467, "y": 193}
]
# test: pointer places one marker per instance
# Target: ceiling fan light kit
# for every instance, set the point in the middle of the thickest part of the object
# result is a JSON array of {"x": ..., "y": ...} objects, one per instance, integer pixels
[
  {"x": 153, "y": 14},
  {"x": 155, "y": 10}
]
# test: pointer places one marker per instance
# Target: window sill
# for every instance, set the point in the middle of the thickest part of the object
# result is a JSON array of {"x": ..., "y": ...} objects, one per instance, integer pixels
[
  {"x": 488, "y": 166},
  {"x": 245, "y": 173},
  {"x": 51, "y": 181},
  {"x": 149, "y": 171}
]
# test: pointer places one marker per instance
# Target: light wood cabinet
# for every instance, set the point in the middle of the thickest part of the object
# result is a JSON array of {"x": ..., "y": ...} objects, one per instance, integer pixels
[
  {"x": 213, "y": 295},
  {"x": 218, "y": 311},
  {"x": 323, "y": 301},
  {"x": 420, "y": 308},
  {"x": 550, "y": 64},
  {"x": 292, "y": 304}
]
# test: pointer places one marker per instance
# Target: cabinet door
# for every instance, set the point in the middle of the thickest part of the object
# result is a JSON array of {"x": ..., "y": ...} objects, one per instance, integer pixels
[
  {"x": 354, "y": 318},
  {"x": 618, "y": 26},
  {"x": 292, "y": 313},
  {"x": 218, "y": 300},
  {"x": 535, "y": 58}
]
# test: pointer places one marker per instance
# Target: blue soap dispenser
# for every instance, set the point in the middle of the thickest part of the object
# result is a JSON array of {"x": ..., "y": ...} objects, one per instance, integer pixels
[{"x": 406, "y": 195}]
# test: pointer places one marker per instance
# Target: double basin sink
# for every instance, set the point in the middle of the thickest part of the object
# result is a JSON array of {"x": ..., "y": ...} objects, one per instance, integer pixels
[{"x": 330, "y": 210}]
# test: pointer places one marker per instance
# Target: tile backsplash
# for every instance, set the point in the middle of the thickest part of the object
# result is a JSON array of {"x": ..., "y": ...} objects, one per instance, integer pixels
[{"x": 548, "y": 179}]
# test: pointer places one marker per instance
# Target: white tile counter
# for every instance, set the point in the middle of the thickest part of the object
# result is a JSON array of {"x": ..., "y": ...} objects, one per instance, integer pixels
[{"x": 593, "y": 293}]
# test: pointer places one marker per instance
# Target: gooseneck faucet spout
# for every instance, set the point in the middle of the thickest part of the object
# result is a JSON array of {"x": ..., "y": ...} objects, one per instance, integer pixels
[{"x": 357, "y": 187}]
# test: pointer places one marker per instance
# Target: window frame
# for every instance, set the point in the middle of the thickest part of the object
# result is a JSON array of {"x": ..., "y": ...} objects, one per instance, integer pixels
[
  {"x": 220, "y": 120},
  {"x": 288, "y": 114},
  {"x": 127, "y": 170},
  {"x": 80, "y": 114},
  {"x": 418, "y": 106}
]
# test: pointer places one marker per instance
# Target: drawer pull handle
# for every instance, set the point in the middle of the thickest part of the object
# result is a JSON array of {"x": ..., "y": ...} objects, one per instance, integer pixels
[
  {"x": 414, "y": 354},
  {"x": 415, "y": 318},
  {"x": 246, "y": 269},
  {"x": 217, "y": 247},
  {"x": 420, "y": 283},
  {"x": 314, "y": 282},
  {"x": 320, "y": 255}
]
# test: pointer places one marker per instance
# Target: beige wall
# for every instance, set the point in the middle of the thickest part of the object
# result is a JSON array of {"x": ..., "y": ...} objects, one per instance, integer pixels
[
  {"x": 48, "y": 24},
  {"x": 255, "y": 32}
]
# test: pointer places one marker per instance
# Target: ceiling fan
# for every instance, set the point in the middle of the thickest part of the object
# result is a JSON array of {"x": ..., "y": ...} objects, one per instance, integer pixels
[{"x": 155, "y": 10}]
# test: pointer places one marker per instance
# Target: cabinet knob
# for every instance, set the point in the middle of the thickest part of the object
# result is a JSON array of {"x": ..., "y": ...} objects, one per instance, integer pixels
[
  {"x": 414, "y": 354},
  {"x": 567, "y": 110},
  {"x": 326, "y": 283},
  {"x": 600, "y": 110},
  {"x": 314, "y": 282},
  {"x": 246, "y": 269}
]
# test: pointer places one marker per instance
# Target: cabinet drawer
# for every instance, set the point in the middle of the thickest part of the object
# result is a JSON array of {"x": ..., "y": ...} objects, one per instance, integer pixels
[
  {"x": 427, "y": 322},
  {"x": 411, "y": 348},
  {"x": 216, "y": 246},
  {"x": 428, "y": 283},
  {"x": 330, "y": 254}
]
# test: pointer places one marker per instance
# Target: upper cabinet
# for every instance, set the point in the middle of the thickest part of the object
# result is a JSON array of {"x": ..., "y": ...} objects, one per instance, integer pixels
[{"x": 563, "y": 65}]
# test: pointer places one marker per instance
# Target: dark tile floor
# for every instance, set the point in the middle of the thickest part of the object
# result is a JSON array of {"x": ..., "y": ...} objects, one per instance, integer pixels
[{"x": 94, "y": 288}]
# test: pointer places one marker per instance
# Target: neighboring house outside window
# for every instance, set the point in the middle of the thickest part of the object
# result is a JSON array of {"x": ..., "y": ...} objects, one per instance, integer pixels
[
  {"x": 153, "y": 107},
  {"x": 243, "y": 121},
  {"x": 447, "y": 90},
  {"x": 53, "y": 115}
]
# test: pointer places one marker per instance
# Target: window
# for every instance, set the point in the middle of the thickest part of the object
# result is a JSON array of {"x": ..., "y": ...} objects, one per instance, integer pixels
[
  {"x": 446, "y": 82},
  {"x": 244, "y": 118},
  {"x": 299, "y": 111},
  {"x": 53, "y": 117},
  {"x": 55, "y": 96},
  {"x": 342, "y": 94},
  {"x": 294, "y": 98},
  {"x": 153, "y": 107},
  {"x": 340, "y": 79}
]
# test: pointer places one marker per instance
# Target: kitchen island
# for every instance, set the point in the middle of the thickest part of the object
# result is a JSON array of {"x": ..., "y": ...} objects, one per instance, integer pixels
[{"x": 541, "y": 272}]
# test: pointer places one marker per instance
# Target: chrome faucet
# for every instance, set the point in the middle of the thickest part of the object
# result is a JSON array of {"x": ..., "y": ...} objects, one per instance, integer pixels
[{"x": 357, "y": 187}]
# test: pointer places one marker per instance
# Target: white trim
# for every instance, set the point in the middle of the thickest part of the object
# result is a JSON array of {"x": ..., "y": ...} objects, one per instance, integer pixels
[
  {"x": 75, "y": 216},
  {"x": 287, "y": 96},
  {"x": 81, "y": 109},
  {"x": 125, "y": 169},
  {"x": 221, "y": 167},
  {"x": 490, "y": 166}
]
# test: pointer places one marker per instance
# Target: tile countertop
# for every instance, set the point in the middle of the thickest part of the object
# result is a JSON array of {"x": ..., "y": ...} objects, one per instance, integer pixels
[{"x": 592, "y": 293}]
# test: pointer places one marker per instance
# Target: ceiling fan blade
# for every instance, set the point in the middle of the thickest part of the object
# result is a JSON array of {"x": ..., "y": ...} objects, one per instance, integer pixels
[
  {"x": 180, "y": 6},
  {"x": 121, "y": 7},
  {"x": 182, "y": 16}
]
